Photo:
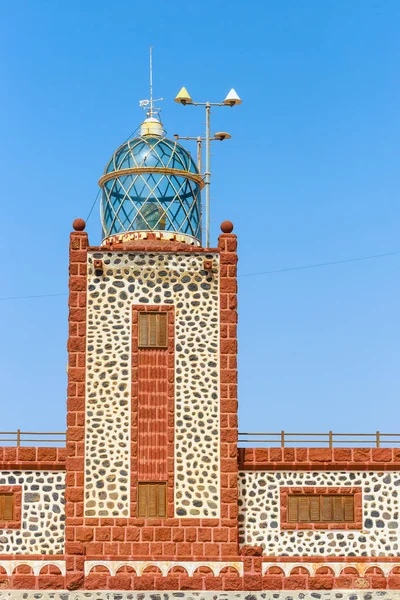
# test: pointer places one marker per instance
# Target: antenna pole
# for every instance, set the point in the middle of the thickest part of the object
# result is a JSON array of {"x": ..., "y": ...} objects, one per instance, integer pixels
[
  {"x": 151, "y": 81},
  {"x": 207, "y": 174}
]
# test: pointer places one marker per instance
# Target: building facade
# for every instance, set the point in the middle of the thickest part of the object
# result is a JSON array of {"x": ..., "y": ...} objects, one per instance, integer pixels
[{"x": 152, "y": 498}]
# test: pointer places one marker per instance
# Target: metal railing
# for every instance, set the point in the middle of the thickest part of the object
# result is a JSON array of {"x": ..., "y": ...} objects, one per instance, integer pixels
[
  {"x": 32, "y": 438},
  {"x": 284, "y": 439},
  {"x": 281, "y": 439}
]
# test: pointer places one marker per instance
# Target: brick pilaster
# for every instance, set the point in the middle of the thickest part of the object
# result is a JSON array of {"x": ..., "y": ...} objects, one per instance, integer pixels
[
  {"x": 252, "y": 567},
  {"x": 227, "y": 245},
  {"x": 74, "y": 492}
]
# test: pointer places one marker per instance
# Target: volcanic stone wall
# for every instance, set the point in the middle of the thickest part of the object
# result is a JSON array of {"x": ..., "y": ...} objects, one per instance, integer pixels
[
  {"x": 260, "y": 494},
  {"x": 40, "y": 512},
  {"x": 147, "y": 279}
]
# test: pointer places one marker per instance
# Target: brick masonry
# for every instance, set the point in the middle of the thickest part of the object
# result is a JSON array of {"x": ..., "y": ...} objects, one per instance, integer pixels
[
  {"x": 130, "y": 538},
  {"x": 191, "y": 553},
  {"x": 355, "y": 594},
  {"x": 152, "y": 456},
  {"x": 322, "y": 459},
  {"x": 75, "y": 462}
]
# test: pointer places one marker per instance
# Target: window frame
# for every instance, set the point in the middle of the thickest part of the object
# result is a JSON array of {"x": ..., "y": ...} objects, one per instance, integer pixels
[
  {"x": 287, "y": 492},
  {"x": 160, "y": 484},
  {"x": 149, "y": 315},
  {"x": 16, "y": 493}
]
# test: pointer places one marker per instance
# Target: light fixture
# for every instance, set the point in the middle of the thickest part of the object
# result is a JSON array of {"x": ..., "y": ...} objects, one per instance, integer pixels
[
  {"x": 183, "y": 97},
  {"x": 232, "y": 99},
  {"x": 222, "y": 135}
]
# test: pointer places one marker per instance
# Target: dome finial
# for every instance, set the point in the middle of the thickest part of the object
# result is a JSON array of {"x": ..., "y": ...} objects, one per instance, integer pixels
[{"x": 152, "y": 125}]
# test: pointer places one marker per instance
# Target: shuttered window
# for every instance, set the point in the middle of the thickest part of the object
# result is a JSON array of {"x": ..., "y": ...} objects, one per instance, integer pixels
[
  {"x": 6, "y": 507},
  {"x": 152, "y": 500},
  {"x": 320, "y": 508},
  {"x": 153, "y": 330}
]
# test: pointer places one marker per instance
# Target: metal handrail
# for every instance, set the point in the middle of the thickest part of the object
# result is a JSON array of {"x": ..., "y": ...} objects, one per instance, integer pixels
[
  {"x": 18, "y": 438},
  {"x": 283, "y": 438}
]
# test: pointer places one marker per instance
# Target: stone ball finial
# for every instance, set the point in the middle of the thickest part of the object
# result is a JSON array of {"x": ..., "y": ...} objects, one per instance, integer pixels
[
  {"x": 226, "y": 227},
  {"x": 79, "y": 225}
]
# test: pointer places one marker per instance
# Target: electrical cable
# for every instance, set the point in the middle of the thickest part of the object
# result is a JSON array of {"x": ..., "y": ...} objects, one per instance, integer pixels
[
  {"x": 310, "y": 266},
  {"x": 324, "y": 264}
]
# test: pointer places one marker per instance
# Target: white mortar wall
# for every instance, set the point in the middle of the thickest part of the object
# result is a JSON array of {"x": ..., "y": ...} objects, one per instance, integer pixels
[
  {"x": 42, "y": 513},
  {"x": 137, "y": 278},
  {"x": 259, "y": 514}
]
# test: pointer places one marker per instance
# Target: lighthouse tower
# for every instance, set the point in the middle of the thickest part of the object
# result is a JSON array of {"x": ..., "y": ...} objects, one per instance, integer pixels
[{"x": 152, "y": 380}]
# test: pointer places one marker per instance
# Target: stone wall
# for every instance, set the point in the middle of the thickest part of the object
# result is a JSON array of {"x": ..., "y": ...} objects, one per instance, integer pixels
[
  {"x": 259, "y": 514},
  {"x": 42, "y": 514},
  {"x": 152, "y": 279}
]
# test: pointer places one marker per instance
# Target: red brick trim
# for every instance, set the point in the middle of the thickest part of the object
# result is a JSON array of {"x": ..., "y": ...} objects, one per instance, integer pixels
[
  {"x": 75, "y": 463},
  {"x": 14, "y": 458},
  {"x": 319, "y": 459},
  {"x": 203, "y": 580},
  {"x": 354, "y": 491},
  {"x": 136, "y": 353},
  {"x": 21, "y": 557},
  {"x": 154, "y": 246},
  {"x": 16, "y": 491},
  {"x": 325, "y": 580},
  {"x": 227, "y": 245},
  {"x": 331, "y": 559}
]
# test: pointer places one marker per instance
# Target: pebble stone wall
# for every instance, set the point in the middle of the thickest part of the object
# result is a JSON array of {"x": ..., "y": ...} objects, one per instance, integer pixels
[
  {"x": 43, "y": 513},
  {"x": 162, "y": 278},
  {"x": 259, "y": 518}
]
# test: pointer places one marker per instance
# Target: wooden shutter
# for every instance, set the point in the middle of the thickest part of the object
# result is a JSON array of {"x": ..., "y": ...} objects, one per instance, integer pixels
[
  {"x": 320, "y": 508},
  {"x": 142, "y": 500},
  {"x": 153, "y": 330},
  {"x": 152, "y": 500},
  {"x": 326, "y": 509},
  {"x": 314, "y": 508},
  {"x": 338, "y": 512},
  {"x": 162, "y": 500},
  {"x": 304, "y": 509},
  {"x": 6, "y": 507},
  {"x": 292, "y": 509},
  {"x": 348, "y": 502}
]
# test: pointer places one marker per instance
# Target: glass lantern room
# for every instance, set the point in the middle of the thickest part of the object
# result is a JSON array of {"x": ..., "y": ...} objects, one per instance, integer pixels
[{"x": 152, "y": 184}]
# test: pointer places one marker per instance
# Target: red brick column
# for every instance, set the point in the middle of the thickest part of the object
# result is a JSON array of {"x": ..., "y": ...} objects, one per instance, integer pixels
[
  {"x": 227, "y": 245},
  {"x": 74, "y": 548},
  {"x": 252, "y": 567},
  {"x": 153, "y": 408}
]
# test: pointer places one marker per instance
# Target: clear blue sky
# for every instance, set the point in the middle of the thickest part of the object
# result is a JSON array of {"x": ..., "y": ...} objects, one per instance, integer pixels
[{"x": 310, "y": 175}]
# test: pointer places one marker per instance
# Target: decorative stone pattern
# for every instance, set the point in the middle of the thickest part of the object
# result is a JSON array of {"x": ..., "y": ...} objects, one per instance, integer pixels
[
  {"x": 336, "y": 568},
  {"x": 165, "y": 566},
  {"x": 10, "y": 566},
  {"x": 259, "y": 518},
  {"x": 43, "y": 514},
  {"x": 145, "y": 278},
  {"x": 189, "y": 595}
]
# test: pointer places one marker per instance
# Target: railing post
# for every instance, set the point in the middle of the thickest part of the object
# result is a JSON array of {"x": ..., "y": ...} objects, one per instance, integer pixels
[
  {"x": 330, "y": 440},
  {"x": 18, "y": 438},
  {"x": 378, "y": 439},
  {"x": 282, "y": 439}
]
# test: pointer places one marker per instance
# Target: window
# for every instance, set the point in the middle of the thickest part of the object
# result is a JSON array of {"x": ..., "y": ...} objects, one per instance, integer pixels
[
  {"x": 7, "y": 507},
  {"x": 152, "y": 500},
  {"x": 320, "y": 508},
  {"x": 153, "y": 330}
]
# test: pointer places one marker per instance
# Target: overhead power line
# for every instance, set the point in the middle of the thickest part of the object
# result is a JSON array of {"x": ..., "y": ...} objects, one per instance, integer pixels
[
  {"x": 299, "y": 268},
  {"x": 324, "y": 264}
]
